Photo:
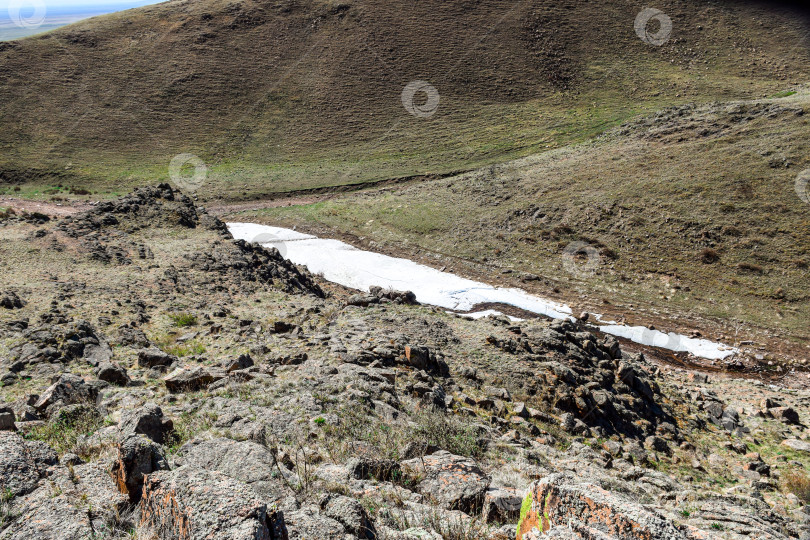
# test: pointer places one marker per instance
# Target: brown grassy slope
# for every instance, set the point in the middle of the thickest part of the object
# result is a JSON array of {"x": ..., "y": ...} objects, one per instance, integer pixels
[{"x": 290, "y": 94}]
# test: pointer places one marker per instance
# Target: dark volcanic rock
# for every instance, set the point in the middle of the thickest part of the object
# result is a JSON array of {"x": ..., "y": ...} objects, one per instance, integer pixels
[
  {"x": 10, "y": 300},
  {"x": 244, "y": 262},
  {"x": 154, "y": 357},
  {"x": 7, "y": 419},
  {"x": 112, "y": 373}
]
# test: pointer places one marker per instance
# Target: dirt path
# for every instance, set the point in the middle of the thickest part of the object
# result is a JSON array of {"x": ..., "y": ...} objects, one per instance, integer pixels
[{"x": 45, "y": 207}]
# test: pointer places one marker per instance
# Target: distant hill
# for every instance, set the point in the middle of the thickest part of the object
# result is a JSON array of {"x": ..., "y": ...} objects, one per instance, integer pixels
[{"x": 291, "y": 94}]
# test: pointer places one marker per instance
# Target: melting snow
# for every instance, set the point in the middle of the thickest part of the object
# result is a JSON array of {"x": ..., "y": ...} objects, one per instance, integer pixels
[{"x": 344, "y": 264}]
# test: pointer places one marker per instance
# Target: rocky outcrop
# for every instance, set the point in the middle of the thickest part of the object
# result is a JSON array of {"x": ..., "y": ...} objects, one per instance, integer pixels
[
  {"x": 60, "y": 340},
  {"x": 588, "y": 511},
  {"x": 189, "y": 380},
  {"x": 10, "y": 300},
  {"x": 137, "y": 458},
  {"x": 73, "y": 504},
  {"x": 452, "y": 482},
  {"x": 245, "y": 262},
  {"x": 573, "y": 372},
  {"x": 246, "y": 461},
  {"x": 112, "y": 373},
  {"x": 69, "y": 389},
  {"x": 197, "y": 504},
  {"x": 23, "y": 463},
  {"x": 147, "y": 420}
]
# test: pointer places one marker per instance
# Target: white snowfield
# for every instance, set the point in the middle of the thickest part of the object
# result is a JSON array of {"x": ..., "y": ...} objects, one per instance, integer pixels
[{"x": 358, "y": 269}]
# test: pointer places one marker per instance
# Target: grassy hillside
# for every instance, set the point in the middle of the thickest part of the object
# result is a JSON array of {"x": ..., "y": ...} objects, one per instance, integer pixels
[
  {"x": 293, "y": 94},
  {"x": 692, "y": 213}
]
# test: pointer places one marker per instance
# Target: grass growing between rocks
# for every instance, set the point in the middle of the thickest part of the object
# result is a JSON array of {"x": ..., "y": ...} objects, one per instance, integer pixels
[
  {"x": 63, "y": 432},
  {"x": 6, "y": 498},
  {"x": 426, "y": 428},
  {"x": 187, "y": 426},
  {"x": 797, "y": 482},
  {"x": 449, "y": 529}
]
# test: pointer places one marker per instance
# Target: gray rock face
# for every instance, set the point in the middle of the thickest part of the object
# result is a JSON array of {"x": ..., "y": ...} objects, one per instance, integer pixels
[
  {"x": 502, "y": 505},
  {"x": 377, "y": 469},
  {"x": 23, "y": 463},
  {"x": 453, "y": 482},
  {"x": 198, "y": 504},
  {"x": 69, "y": 389},
  {"x": 796, "y": 444},
  {"x": 246, "y": 461},
  {"x": 112, "y": 373},
  {"x": 72, "y": 505},
  {"x": 147, "y": 420},
  {"x": 137, "y": 457},
  {"x": 308, "y": 523}
]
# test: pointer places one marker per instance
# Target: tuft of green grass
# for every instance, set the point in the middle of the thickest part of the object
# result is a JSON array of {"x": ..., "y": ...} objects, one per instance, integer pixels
[{"x": 182, "y": 320}]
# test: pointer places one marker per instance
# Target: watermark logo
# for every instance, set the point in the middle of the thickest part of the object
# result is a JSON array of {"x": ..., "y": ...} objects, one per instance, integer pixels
[
  {"x": 18, "y": 12},
  {"x": 803, "y": 186},
  {"x": 179, "y": 174},
  {"x": 270, "y": 240},
  {"x": 645, "y": 23},
  {"x": 581, "y": 258},
  {"x": 421, "y": 110}
]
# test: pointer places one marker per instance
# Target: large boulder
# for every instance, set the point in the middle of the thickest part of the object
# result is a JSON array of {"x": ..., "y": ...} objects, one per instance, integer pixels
[
  {"x": 189, "y": 380},
  {"x": 137, "y": 457},
  {"x": 197, "y": 504},
  {"x": 147, "y": 420},
  {"x": 112, "y": 373},
  {"x": 155, "y": 358},
  {"x": 453, "y": 482},
  {"x": 23, "y": 463},
  {"x": 74, "y": 504},
  {"x": 349, "y": 513}
]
